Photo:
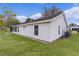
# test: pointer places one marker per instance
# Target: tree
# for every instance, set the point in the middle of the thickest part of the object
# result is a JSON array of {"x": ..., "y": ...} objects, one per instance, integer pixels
[
  {"x": 10, "y": 17},
  {"x": 6, "y": 10},
  {"x": 49, "y": 11},
  {"x": 72, "y": 24},
  {"x": 45, "y": 12},
  {"x": 29, "y": 20},
  {"x": 1, "y": 20},
  {"x": 12, "y": 21},
  {"x": 2, "y": 23}
]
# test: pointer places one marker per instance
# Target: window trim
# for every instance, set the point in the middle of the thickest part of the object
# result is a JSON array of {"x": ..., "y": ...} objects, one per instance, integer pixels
[
  {"x": 36, "y": 28},
  {"x": 58, "y": 29}
]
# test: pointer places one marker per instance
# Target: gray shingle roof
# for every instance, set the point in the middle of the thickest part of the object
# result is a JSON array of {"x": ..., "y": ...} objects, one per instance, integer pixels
[{"x": 47, "y": 18}]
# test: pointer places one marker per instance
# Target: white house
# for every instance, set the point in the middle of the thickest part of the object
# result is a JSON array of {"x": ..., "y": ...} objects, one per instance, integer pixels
[
  {"x": 74, "y": 28},
  {"x": 46, "y": 29}
]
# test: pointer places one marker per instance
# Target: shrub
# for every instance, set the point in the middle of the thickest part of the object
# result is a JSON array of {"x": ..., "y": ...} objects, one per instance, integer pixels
[
  {"x": 78, "y": 31},
  {"x": 67, "y": 34}
]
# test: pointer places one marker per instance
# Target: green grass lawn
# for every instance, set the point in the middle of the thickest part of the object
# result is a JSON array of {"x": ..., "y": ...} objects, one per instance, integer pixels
[{"x": 12, "y": 44}]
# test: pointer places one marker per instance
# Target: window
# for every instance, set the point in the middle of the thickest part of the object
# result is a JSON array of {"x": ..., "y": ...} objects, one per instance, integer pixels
[
  {"x": 58, "y": 29},
  {"x": 10, "y": 29},
  {"x": 14, "y": 29},
  {"x": 17, "y": 29},
  {"x": 36, "y": 30}
]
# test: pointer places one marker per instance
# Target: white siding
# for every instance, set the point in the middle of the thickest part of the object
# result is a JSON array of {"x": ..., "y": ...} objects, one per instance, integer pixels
[
  {"x": 59, "y": 21},
  {"x": 26, "y": 31},
  {"x": 43, "y": 31},
  {"x": 47, "y": 31}
]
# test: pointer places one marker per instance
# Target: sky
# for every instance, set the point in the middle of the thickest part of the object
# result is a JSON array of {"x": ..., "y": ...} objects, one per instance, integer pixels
[
  {"x": 33, "y": 10},
  {"x": 28, "y": 9}
]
